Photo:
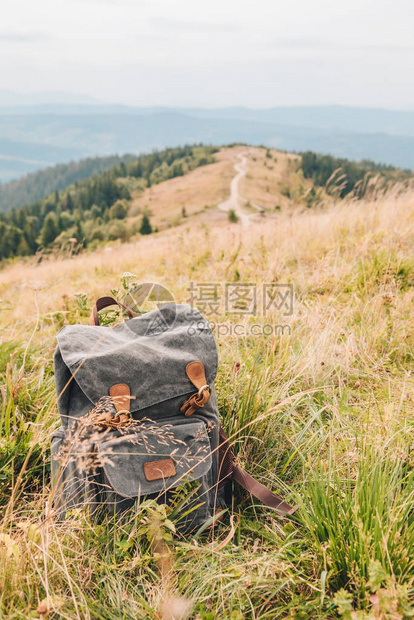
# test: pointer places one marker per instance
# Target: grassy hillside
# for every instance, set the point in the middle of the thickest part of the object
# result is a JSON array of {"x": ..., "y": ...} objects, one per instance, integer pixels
[
  {"x": 91, "y": 211},
  {"x": 321, "y": 410},
  {"x": 163, "y": 188}
]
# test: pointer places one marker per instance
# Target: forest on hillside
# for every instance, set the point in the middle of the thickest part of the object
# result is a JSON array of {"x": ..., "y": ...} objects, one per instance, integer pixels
[
  {"x": 38, "y": 185},
  {"x": 340, "y": 177},
  {"x": 93, "y": 211}
]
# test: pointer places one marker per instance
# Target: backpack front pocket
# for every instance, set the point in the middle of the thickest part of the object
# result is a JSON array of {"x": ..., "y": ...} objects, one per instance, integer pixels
[{"x": 157, "y": 459}]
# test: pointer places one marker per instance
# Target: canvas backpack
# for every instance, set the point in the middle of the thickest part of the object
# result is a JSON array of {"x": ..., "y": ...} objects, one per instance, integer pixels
[{"x": 139, "y": 418}]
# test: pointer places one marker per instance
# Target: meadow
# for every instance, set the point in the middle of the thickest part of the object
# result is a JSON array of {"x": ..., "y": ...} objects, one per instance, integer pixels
[{"x": 322, "y": 412}]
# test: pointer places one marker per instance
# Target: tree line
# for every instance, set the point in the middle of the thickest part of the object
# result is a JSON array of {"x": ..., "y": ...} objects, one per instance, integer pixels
[
  {"x": 38, "y": 185},
  {"x": 92, "y": 211},
  {"x": 341, "y": 176}
]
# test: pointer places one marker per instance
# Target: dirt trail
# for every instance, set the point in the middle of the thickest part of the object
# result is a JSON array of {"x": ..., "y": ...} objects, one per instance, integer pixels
[{"x": 234, "y": 201}]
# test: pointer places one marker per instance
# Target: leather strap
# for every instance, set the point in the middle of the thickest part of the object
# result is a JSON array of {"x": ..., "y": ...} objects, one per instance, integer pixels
[
  {"x": 229, "y": 470},
  {"x": 196, "y": 401},
  {"x": 260, "y": 492},
  {"x": 121, "y": 396},
  {"x": 197, "y": 375},
  {"x": 104, "y": 302}
]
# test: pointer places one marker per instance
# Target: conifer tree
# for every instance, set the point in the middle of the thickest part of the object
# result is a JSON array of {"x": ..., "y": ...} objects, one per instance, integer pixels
[
  {"x": 146, "y": 228},
  {"x": 49, "y": 230}
]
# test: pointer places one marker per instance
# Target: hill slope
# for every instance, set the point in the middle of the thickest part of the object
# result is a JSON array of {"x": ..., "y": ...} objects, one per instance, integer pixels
[
  {"x": 164, "y": 188},
  {"x": 320, "y": 408}
]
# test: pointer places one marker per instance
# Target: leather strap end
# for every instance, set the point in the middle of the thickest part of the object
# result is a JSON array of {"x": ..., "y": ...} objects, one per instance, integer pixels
[
  {"x": 196, "y": 401},
  {"x": 196, "y": 373},
  {"x": 121, "y": 397}
]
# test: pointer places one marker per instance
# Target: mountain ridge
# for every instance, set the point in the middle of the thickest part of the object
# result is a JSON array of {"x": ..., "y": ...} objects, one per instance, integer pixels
[{"x": 385, "y": 136}]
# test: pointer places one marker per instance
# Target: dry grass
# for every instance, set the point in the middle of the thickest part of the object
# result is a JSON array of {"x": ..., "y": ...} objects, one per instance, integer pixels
[
  {"x": 314, "y": 249},
  {"x": 273, "y": 181},
  {"x": 335, "y": 404},
  {"x": 200, "y": 190}
]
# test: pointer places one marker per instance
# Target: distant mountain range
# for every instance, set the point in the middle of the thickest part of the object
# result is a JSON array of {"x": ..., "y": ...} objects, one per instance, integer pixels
[{"x": 38, "y": 135}]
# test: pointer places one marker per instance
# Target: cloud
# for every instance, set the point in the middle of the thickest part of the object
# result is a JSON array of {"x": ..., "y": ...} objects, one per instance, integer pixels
[
  {"x": 23, "y": 37},
  {"x": 301, "y": 43},
  {"x": 387, "y": 48},
  {"x": 320, "y": 44},
  {"x": 195, "y": 26}
]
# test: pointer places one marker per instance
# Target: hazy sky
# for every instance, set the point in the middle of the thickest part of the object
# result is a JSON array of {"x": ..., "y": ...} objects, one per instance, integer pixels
[{"x": 221, "y": 52}]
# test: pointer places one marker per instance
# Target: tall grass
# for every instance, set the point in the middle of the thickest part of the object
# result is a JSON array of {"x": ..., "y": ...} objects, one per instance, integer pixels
[{"x": 361, "y": 514}]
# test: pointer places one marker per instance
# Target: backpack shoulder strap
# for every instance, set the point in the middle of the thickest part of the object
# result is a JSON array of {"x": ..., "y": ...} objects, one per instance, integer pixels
[
  {"x": 230, "y": 470},
  {"x": 260, "y": 492}
]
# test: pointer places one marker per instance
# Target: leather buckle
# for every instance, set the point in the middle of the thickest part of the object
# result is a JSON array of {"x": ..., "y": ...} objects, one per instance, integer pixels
[
  {"x": 204, "y": 387},
  {"x": 122, "y": 417},
  {"x": 124, "y": 412}
]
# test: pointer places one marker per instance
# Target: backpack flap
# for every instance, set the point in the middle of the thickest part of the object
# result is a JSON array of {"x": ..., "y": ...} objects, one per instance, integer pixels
[
  {"x": 148, "y": 353},
  {"x": 156, "y": 458}
]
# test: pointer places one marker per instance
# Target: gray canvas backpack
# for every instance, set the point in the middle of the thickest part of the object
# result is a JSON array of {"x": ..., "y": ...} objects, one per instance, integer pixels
[{"x": 139, "y": 418}]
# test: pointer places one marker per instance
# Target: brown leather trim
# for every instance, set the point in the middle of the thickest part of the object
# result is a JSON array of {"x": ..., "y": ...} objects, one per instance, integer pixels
[
  {"x": 262, "y": 493},
  {"x": 120, "y": 394},
  {"x": 196, "y": 373},
  {"x": 229, "y": 469},
  {"x": 156, "y": 470},
  {"x": 195, "y": 401},
  {"x": 104, "y": 302}
]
